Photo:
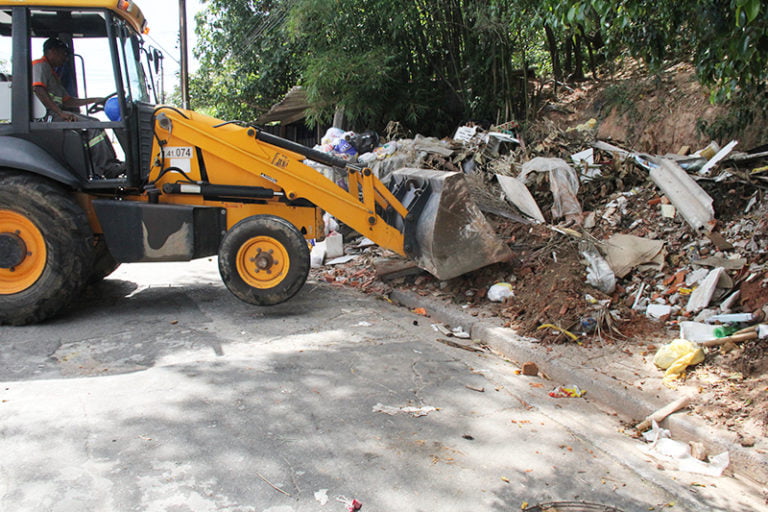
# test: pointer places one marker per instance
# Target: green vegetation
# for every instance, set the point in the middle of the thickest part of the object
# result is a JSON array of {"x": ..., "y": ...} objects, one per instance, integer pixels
[{"x": 431, "y": 64}]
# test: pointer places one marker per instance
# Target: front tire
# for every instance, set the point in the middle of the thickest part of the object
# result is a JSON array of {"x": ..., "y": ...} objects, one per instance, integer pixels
[
  {"x": 45, "y": 248},
  {"x": 103, "y": 261},
  {"x": 264, "y": 260}
]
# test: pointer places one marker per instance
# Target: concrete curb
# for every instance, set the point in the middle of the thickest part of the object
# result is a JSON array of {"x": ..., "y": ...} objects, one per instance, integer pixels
[{"x": 625, "y": 400}]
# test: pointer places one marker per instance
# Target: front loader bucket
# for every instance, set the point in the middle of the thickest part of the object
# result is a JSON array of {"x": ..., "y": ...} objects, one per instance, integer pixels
[{"x": 445, "y": 232}]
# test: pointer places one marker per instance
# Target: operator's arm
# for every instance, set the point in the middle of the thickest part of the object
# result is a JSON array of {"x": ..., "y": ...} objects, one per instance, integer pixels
[
  {"x": 71, "y": 101},
  {"x": 42, "y": 94}
]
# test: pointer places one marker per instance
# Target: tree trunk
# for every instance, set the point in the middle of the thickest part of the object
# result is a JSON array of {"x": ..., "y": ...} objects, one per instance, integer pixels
[
  {"x": 553, "y": 55},
  {"x": 592, "y": 62},
  {"x": 578, "y": 59},
  {"x": 526, "y": 105}
]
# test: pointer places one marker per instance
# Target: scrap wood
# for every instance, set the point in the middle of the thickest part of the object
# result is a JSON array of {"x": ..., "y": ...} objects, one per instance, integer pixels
[
  {"x": 454, "y": 344},
  {"x": 665, "y": 411},
  {"x": 734, "y": 338}
]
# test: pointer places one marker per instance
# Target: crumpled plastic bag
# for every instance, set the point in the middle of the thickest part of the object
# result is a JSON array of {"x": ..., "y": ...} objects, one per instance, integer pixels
[
  {"x": 563, "y": 181},
  {"x": 500, "y": 292},
  {"x": 599, "y": 273},
  {"x": 663, "y": 447},
  {"x": 676, "y": 357}
]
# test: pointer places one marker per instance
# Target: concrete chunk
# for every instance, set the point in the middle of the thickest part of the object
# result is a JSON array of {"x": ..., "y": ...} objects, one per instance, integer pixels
[
  {"x": 691, "y": 201},
  {"x": 519, "y": 195},
  {"x": 702, "y": 296}
]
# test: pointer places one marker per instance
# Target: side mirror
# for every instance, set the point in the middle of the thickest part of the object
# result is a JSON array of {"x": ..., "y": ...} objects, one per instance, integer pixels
[{"x": 157, "y": 57}]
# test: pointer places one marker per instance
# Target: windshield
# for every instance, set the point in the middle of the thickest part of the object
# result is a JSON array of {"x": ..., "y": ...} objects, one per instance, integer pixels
[{"x": 135, "y": 79}]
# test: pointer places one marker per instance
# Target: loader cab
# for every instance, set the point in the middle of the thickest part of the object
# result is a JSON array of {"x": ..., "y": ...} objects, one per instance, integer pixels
[{"x": 107, "y": 58}]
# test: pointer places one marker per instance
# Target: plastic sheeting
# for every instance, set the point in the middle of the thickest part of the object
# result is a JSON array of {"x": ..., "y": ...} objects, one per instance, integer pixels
[{"x": 563, "y": 181}]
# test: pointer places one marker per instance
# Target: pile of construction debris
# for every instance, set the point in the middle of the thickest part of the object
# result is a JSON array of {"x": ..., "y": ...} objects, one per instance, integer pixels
[
  {"x": 677, "y": 238},
  {"x": 611, "y": 247}
]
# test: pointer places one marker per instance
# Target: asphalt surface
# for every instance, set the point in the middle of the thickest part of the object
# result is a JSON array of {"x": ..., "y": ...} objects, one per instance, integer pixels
[
  {"x": 159, "y": 391},
  {"x": 616, "y": 376}
]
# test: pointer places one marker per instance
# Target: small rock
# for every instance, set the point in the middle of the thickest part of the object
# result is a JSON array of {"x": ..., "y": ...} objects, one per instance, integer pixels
[
  {"x": 698, "y": 451},
  {"x": 747, "y": 441},
  {"x": 530, "y": 369}
]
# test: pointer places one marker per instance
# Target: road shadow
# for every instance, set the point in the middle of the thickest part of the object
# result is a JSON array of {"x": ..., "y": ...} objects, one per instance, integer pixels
[{"x": 116, "y": 327}]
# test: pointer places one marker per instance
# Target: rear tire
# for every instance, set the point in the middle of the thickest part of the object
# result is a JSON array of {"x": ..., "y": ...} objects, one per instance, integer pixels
[
  {"x": 46, "y": 251},
  {"x": 264, "y": 260}
]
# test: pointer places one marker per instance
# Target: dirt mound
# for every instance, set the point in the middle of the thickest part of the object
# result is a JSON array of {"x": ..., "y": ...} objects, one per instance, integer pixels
[{"x": 656, "y": 114}]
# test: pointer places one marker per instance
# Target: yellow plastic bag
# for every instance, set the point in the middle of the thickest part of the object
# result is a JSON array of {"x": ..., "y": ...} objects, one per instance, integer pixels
[{"x": 676, "y": 356}]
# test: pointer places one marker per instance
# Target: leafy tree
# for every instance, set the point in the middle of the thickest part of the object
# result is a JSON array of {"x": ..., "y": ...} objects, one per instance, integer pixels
[
  {"x": 378, "y": 60},
  {"x": 726, "y": 40},
  {"x": 731, "y": 48},
  {"x": 431, "y": 64},
  {"x": 247, "y": 61}
]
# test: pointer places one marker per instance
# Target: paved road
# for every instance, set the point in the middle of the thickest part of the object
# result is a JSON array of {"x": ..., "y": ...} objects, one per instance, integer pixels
[{"x": 161, "y": 392}]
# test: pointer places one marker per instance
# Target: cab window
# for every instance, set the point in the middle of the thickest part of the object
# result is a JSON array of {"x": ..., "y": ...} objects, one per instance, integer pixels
[
  {"x": 88, "y": 71},
  {"x": 5, "y": 65}
]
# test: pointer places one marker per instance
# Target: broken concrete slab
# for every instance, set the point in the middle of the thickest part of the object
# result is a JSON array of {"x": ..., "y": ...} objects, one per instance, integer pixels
[
  {"x": 721, "y": 261},
  {"x": 702, "y": 295},
  {"x": 658, "y": 311},
  {"x": 712, "y": 162},
  {"x": 668, "y": 211},
  {"x": 432, "y": 145},
  {"x": 519, "y": 195},
  {"x": 691, "y": 201}
]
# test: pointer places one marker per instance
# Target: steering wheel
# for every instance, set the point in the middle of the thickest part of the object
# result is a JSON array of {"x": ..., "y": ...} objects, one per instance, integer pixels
[{"x": 99, "y": 106}]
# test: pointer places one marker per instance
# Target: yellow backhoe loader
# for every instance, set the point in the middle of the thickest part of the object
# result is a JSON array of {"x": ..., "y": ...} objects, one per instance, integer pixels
[{"x": 191, "y": 186}]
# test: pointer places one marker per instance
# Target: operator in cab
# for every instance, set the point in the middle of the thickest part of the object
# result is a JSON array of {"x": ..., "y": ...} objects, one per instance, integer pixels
[{"x": 47, "y": 86}]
